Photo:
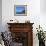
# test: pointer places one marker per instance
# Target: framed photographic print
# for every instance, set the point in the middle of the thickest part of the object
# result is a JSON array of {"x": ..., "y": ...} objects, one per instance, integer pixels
[{"x": 20, "y": 10}]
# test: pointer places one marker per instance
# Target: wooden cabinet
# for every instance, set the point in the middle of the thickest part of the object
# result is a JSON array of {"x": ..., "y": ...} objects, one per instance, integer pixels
[{"x": 22, "y": 33}]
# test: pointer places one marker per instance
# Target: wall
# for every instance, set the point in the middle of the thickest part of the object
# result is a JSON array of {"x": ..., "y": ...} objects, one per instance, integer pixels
[
  {"x": 43, "y": 14},
  {"x": 0, "y": 15},
  {"x": 33, "y": 10},
  {"x": 36, "y": 10},
  {"x": 43, "y": 6}
]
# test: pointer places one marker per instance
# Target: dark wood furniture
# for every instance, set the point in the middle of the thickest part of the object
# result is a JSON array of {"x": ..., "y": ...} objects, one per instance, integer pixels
[{"x": 22, "y": 33}]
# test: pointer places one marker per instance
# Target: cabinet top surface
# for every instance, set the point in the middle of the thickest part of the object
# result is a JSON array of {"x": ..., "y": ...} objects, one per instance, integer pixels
[{"x": 19, "y": 23}]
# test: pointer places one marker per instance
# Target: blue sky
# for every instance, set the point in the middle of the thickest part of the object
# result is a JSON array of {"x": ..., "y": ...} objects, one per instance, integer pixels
[{"x": 19, "y": 8}]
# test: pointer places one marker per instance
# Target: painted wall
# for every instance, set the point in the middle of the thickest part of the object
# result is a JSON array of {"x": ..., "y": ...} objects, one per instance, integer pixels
[
  {"x": 34, "y": 14},
  {"x": 0, "y": 15},
  {"x": 33, "y": 11}
]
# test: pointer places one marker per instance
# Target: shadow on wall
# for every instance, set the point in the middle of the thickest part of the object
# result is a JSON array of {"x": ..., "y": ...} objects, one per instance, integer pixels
[
  {"x": 0, "y": 15},
  {"x": 43, "y": 6}
]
